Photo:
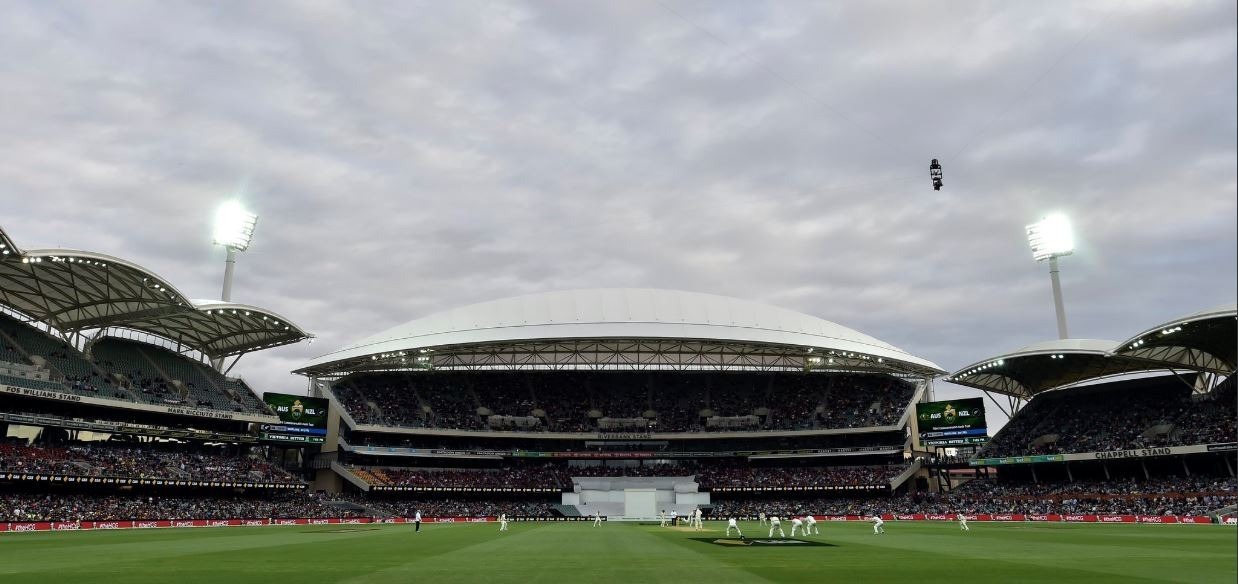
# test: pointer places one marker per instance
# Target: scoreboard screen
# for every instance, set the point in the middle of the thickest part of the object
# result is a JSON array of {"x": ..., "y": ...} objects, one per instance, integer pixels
[
  {"x": 302, "y": 419},
  {"x": 952, "y": 423}
]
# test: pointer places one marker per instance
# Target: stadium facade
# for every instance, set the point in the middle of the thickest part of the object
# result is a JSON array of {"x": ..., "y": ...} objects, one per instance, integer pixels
[
  {"x": 636, "y": 381},
  {"x": 637, "y": 329},
  {"x": 113, "y": 402}
]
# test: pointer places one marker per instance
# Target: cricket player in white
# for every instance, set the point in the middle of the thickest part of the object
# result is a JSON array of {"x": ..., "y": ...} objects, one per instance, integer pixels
[
  {"x": 877, "y": 525},
  {"x": 761, "y": 516},
  {"x": 731, "y": 524},
  {"x": 502, "y": 522},
  {"x": 697, "y": 520},
  {"x": 662, "y": 516},
  {"x": 963, "y": 522},
  {"x": 796, "y": 525},
  {"x": 774, "y": 523},
  {"x": 810, "y": 525},
  {"x": 597, "y": 518}
]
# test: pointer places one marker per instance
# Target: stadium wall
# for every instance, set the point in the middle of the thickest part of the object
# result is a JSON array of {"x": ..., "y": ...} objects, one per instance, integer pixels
[
  {"x": 176, "y": 410},
  {"x": 41, "y": 526},
  {"x": 1153, "y": 452}
]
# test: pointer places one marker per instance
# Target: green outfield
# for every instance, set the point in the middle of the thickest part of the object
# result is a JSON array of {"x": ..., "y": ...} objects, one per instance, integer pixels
[{"x": 625, "y": 553}]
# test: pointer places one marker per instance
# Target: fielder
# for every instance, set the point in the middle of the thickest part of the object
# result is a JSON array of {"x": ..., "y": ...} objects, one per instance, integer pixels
[
  {"x": 761, "y": 516},
  {"x": 963, "y": 522},
  {"x": 796, "y": 525},
  {"x": 731, "y": 524},
  {"x": 810, "y": 526},
  {"x": 697, "y": 521},
  {"x": 597, "y": 518},
  {"x": 502, "y": 522},
  {"x": 774, "y": 523},
  {"x": 662, "y": 516},
  {"x": 877, "y": 525}
]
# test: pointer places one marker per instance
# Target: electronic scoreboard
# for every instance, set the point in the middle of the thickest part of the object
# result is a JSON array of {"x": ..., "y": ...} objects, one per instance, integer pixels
[
  {"x": 952, "y": 423},
  {"x": 302, "y": 419}
]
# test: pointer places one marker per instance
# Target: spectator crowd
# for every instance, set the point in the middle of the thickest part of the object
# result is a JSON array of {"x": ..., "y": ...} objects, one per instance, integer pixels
[
  {"x": 1120, "y": 418},
  {"x": 574, "y": 401},
  {"x": 455, "y": 507},
  {"x": 1197, "y": 495},
  {"x": 80, "y": 507},
  {"x": 1159, "y": 496},
  {"x": 709, "y": 474},
  {"x": 125, "y": 460}
]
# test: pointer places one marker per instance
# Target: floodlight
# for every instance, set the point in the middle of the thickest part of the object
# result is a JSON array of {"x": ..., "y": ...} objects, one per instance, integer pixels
[
  {"x": 234, "y": 226},
  {"x": 1051, "y": 237}
]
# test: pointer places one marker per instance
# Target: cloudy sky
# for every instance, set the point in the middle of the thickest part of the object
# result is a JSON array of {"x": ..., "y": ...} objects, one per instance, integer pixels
[{"x": 408, "y": 157}]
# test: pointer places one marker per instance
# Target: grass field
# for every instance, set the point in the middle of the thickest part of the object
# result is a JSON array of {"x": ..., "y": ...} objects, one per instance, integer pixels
[{"x": 627, "y": 553}]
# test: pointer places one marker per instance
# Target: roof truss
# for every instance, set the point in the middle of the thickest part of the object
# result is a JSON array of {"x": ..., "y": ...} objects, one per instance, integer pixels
[
  {"x": 74, "y": 291},
  {"x": 617, "y": 354}
]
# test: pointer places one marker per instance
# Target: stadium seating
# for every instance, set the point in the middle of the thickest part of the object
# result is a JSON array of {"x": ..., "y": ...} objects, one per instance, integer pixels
[
  {"x": 161, "y": 376},
  {"x": 146, "y": 461},
  {"x": 626, "y": 401},
  {"x": 381, "y": 399},
  {"x": 1157, "y": 496},
  {"x": 68, "y": 369},
  {"x": 1117, "y": 417},
  {"x": 564, "y": 401},
  {"x": 453, "y": 506},
  {"x": 503, "y": 395},
  {"x": 521, "y": 477},
  {"x": 743, "y": 475},
  {"x": 710, "y": 474},
  {"x": 88, "y": 507},
  {"x": 113, "y": 507},
  {"x": 1196, "y": 495},
  {"x": 120, "y": 369}
]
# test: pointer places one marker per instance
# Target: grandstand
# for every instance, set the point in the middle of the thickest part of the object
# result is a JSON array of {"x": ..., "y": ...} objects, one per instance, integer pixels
[
  {"x": 1142, "y": 413},
  {"x": 117, "y": 369},
  {"x": 1145, "y": 425},
  {"x": 119, "y": 460},
  {"x": 625, "y": 401},
  {"x": 535, "y": 406},
  {"x": 611, "y": 373},
  {"x": 110, "y": 405},
  {"x": 427, "y": 184},
  {"x": 97, "y": 326}
]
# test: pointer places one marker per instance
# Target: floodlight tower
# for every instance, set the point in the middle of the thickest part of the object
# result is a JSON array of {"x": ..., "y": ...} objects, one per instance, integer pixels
[
  {"x": 234, "y": 228},
  {"x": 1051, "y": 238}
]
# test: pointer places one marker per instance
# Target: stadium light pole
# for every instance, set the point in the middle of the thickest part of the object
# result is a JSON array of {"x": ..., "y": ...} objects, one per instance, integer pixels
[
  {"x": 234, "y": 229},
  {"x": 1052, "y": 238}
]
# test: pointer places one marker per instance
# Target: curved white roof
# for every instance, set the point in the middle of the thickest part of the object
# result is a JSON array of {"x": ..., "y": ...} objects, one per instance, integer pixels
[
  {"x": 74, "y": 290},
  {"x": 623, "y": 313},
  {"x": 1216, "y": 312},
  {"x": 1044, "y": 366},
  {"x": 1098, "y": 346},
  {"x": 1206, "y": 344}
]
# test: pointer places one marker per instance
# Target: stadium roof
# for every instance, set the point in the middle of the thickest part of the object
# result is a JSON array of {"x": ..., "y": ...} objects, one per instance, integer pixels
[
  {"x": 1203, "y": 341},
  {"x": 73, "y": 290},
  {"x": 619, "y": 329},
  {"x": 1045, "y": 366}
]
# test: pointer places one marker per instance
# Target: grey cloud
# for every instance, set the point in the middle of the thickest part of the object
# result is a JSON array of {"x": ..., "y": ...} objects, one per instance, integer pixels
[{"x": 410, "y": 157}]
